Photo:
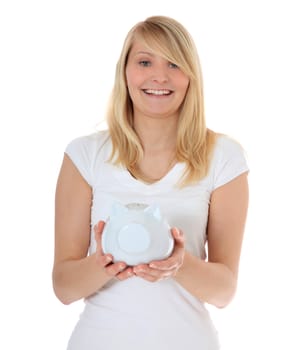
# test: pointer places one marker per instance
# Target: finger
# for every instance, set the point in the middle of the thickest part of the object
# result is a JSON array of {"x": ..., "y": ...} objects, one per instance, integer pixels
[
  {"x": 171, "y": 263},
  {"x": 142, "y": 268},
  {"x": 147, "y": 271},
  {"x": 153, "y": 278},
  {"x": 147, "y": 277},
  {"x": 116, "y": 268},
  {"x": 165, "y": 265},
  {"x": 104, "y": 260},
  {"x": 98, "y": 230},
  {"x": 178, "y": 236},
  {"x": 125, "y": 274}
]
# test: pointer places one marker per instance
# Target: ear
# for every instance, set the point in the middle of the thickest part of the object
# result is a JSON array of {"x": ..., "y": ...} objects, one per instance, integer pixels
[
  {"x": 118, "y": 209},
  {"x": 154, "y": 211}
]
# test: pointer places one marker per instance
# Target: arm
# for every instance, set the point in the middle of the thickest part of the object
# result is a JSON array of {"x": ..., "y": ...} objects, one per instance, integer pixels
[
  {"x": 75, "y": 274},
  {"x": 213, "y": 281}
]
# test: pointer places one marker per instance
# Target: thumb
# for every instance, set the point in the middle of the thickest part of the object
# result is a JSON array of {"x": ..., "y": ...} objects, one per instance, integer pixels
[
  {"x": 178, "y": 235},
  {"x": 98, "y": 229}
]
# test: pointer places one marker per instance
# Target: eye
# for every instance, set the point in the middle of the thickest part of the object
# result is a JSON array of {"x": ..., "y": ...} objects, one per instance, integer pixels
[
  {"x": 173, "y": 65},
  {"x": 145, "y": 63}
]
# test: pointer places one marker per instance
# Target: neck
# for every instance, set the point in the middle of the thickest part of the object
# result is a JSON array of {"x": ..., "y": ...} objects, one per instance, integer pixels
[{"x": 156, "y": 134}]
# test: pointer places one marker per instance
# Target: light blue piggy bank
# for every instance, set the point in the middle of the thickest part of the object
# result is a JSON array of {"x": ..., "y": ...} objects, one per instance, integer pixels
[{"x": 137, "y": 234}]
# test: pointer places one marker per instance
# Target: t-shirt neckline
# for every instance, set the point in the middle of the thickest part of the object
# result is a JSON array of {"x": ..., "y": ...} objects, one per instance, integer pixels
[{"x": 170, "y": 178}]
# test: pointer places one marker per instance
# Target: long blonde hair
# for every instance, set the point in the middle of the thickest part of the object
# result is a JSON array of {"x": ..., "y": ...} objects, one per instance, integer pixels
[{"x": 169, "y": 39}]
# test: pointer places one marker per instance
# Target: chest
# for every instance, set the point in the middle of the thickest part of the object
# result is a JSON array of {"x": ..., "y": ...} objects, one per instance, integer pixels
[{"x": 185, "y": 208}]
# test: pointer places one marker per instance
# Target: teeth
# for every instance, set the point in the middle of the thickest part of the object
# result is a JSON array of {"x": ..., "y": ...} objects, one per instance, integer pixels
[{"x": 157, "y": 92}]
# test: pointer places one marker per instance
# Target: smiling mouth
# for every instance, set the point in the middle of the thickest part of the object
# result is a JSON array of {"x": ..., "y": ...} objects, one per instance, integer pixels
[{"x": 162, "y": 92}]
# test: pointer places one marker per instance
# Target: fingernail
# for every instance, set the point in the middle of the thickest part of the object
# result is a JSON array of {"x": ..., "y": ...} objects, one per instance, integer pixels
[{"x": 178, "y": 232}]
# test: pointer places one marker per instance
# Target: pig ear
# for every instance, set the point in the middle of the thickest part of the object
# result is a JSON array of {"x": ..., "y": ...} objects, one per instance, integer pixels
[
  {"x": 118, "y": 209},
  {"x": 154, "y": 211}
]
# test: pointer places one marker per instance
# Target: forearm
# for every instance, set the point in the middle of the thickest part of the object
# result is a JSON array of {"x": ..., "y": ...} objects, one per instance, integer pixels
[
  {"x": 77, "y": 279},
  {"x": 213, "y": 283}
]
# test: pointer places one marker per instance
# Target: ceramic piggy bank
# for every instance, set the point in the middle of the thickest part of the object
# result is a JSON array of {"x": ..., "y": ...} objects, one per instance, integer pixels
[{"x": 137, "y": 234}]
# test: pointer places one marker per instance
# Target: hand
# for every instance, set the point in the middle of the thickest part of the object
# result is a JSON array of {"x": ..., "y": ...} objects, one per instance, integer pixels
[
  {"x": 119, "y": 270},
  {"x": 161, "y": 269}
]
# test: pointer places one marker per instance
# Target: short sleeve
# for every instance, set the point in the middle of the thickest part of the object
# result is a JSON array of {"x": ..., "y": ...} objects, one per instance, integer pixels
[
  {"x": 230, "y": 161},
  {"x": 79, "y": 151}
]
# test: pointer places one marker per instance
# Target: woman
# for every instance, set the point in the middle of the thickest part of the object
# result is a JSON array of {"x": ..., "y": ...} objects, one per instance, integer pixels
[{"x": 157, "y": 149}]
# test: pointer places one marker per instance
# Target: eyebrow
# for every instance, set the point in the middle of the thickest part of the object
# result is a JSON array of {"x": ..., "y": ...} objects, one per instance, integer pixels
[{"x": 143, "y": 53}]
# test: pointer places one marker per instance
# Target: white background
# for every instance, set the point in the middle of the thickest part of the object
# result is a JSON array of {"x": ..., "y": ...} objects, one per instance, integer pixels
[{"x": 56, "y": 70}]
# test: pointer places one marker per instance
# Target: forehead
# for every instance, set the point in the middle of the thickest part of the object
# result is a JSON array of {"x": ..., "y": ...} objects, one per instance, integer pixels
[{"x": 139, "y": 48}]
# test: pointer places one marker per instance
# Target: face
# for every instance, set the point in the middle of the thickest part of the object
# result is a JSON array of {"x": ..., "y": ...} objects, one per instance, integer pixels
[{"x": 156, "y": 86}]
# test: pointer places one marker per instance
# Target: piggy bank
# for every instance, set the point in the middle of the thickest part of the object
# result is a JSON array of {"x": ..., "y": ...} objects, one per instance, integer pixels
[{"x": 137, "y": 234}]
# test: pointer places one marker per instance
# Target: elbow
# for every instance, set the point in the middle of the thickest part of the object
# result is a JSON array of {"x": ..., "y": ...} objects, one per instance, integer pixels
[
  {"x": 63, "y": 299},
  {"x": 61, "y": 292},
  {"x": 221, "y": 304},
  {"x": 61, "y": 295},
  {"x": 226, "y": 296}
]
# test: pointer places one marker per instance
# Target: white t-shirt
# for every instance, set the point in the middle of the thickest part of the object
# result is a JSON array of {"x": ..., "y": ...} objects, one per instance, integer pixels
[{"x": 135, "y": 314}]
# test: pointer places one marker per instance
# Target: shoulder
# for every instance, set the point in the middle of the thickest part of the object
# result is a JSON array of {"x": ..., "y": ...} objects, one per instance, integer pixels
[
  {"x": 91, "y": 142},
  {"x": 226, "y": 144},
  {"x": 88, "y": 152},
  {"x": 227, "y": 148}
]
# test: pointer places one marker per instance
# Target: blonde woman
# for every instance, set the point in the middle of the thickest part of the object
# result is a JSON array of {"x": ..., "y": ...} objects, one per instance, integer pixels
[{"x": 157, "y": 148}]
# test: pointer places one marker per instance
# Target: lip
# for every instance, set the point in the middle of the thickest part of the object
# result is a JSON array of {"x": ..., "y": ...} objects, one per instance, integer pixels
[{"x": 157, "y": 92}]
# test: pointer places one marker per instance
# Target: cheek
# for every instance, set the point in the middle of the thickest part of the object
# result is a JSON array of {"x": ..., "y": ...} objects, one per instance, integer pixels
[
  {"x": 183, "y": 87},
  {"x": 131, "y": 77},
  {"x": 182, "y": 81},
  {"x": 131, "y": 84},
  {"x": 185, "y": 83}
]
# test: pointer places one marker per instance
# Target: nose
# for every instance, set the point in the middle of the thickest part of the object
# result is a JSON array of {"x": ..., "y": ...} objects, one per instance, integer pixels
[{"x": 159, "y": 74}]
